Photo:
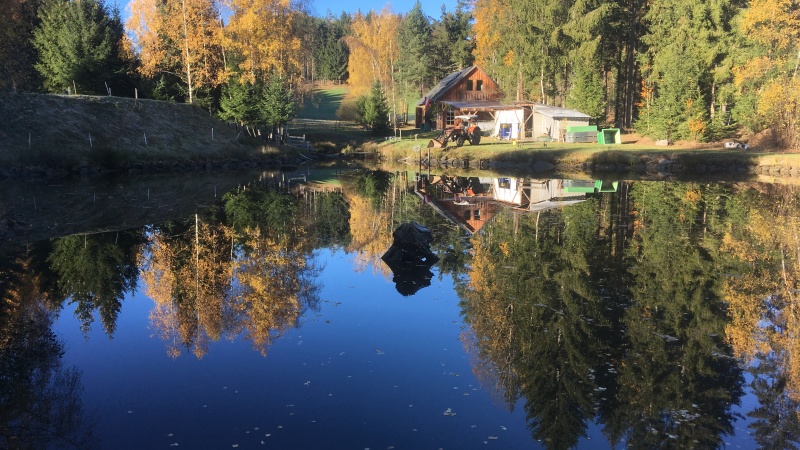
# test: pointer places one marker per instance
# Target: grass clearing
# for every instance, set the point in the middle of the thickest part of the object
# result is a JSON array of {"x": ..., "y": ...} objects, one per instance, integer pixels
[{"x": 323, "y": 102}]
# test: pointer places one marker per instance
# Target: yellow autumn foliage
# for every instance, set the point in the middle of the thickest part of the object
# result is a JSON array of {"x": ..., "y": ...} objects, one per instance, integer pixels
[
  {"x": 373, "y": 50},
  {"x": 774, "y": 23},
  {"x": 371, "y": 234},
  {"x": 261, "y": 31},
  {"x": 179, "y": 37}
]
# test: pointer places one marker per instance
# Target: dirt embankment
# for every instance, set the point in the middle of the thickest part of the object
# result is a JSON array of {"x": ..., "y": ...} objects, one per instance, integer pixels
[{"x": 52, "y": 134}]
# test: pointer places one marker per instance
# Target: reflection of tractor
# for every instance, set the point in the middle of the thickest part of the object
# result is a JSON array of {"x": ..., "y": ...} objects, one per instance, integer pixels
[{"x": 464, "y": 129}]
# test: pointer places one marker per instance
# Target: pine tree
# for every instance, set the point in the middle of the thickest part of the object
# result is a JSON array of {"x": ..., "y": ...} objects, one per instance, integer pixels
[
  {"x": 276, "y": 103},
  {"x": 17, "y": 53},
  {"x": 452, "y": 42},
  {"x": 413, "y": 61},
  {"x": 80, "y": 44},
  {"x": 373, "y": 110}
]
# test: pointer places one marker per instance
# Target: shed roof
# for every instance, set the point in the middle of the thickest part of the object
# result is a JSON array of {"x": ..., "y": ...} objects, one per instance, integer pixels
[
  {"x": 446, "y": 83},
  {"x": 560, "y": 113}
]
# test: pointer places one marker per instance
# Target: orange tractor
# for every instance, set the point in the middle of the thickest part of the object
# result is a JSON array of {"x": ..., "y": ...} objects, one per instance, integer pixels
[{"x": 464, "y": 129}]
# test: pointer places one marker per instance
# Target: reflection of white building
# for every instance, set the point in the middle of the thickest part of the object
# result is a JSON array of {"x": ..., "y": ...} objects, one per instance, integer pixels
[
  {"x": 453, "y": 197},
  {"x": 539, "y": 195}
]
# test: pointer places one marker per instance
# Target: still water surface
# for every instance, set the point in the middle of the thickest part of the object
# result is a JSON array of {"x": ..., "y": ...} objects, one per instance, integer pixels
[{"x": 560, "y": 314}]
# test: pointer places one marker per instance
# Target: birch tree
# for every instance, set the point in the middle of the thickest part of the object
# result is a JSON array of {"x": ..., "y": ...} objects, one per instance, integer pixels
[{"x": 179, "y": 38}]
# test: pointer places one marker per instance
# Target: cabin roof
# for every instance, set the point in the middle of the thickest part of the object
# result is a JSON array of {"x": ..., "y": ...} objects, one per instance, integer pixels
[{"x": 446, "y": 83}]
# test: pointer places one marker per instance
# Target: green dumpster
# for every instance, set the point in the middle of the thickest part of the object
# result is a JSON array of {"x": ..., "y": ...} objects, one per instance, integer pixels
[
  {"x": 580, "y": 133},
  {"x": 609, "y": 136}
]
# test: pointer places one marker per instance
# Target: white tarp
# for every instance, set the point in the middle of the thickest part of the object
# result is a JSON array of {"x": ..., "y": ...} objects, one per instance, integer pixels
[{"x": 508, "y": 119}]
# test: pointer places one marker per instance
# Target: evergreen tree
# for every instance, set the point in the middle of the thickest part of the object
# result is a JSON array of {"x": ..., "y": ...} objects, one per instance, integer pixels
[
  {"x": 587, "y": 94},
  {"x": 330, "y": 53},
  {"x": 413, "y": 70},
  {"x": 373, "y": 110},
  {"x": 683, "y": 54},
  {"x": 18, "y": 19},
  {"x": 276, "y": 104},
  {"x": 80, "y": 44},
  {"x": 452, "y": 42},
  {"x": 237, "y": 102}
]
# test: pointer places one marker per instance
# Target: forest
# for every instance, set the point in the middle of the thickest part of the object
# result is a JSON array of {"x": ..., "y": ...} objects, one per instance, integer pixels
[{"x": 676, "y": 70}]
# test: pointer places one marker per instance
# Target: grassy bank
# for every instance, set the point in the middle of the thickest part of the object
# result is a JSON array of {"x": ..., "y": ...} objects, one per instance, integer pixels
[
  {"x": 631, "y": 155},
  {"x": 65, "y": 132}
]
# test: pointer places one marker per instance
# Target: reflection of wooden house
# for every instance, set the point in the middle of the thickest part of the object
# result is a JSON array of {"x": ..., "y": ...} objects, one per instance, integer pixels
[
  {"x": 460, "y": 205},
  {"x": 469, "y": 91}
]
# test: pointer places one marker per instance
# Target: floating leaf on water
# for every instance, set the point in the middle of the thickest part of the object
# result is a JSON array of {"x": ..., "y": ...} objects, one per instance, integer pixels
[
  {"x": 130, "y": 412},
  {"x": 235, "y": 445},
  {"x": 448, "y": 412},
  {"x": 173, "y": 445},
  {"x": 503, "y": 428},
  {"x": 492, "y": 438},
  {"x": 170, "y": 435}
]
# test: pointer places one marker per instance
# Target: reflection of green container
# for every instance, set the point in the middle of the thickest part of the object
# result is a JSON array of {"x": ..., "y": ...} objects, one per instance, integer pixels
[
  {"x": 609, "y": 136},
  {"x": 589, "y": 186}
]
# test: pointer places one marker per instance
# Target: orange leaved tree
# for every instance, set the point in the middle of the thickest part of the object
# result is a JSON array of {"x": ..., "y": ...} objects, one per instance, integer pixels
[{"x": 182, "y": 38}]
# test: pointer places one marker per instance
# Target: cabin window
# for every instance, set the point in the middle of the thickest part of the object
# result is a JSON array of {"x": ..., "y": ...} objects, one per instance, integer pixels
[
  {"x": 476, "y": 214},
  {"x": 479, "y": 85},
  {"x": 449, "y": 117},
  {"x": 469, "y": 85},
  {"x": 467, "y": 215}
]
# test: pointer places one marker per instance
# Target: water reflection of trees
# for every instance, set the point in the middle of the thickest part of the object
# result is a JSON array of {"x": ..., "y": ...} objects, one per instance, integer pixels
[
  {"x": 40, "y": 399},
  {"x": 589, "y": 316},
  {"x": 245, "y": 268},
  {"x": 95, "y": 271}
]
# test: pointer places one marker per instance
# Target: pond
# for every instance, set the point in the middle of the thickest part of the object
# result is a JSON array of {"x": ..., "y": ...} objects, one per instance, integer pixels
[{"x": 253, "y": 310}]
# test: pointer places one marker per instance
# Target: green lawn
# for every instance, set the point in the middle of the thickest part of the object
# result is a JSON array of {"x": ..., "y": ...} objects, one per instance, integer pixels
[{"x": 323, "y": 102}]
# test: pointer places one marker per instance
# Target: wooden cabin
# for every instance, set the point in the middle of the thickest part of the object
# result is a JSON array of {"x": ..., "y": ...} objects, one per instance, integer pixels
[{"x": 467, "y": 92}]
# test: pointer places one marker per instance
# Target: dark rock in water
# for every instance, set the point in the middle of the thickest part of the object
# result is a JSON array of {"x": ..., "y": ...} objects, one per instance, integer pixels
[{"x": 410, "y": 258}]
